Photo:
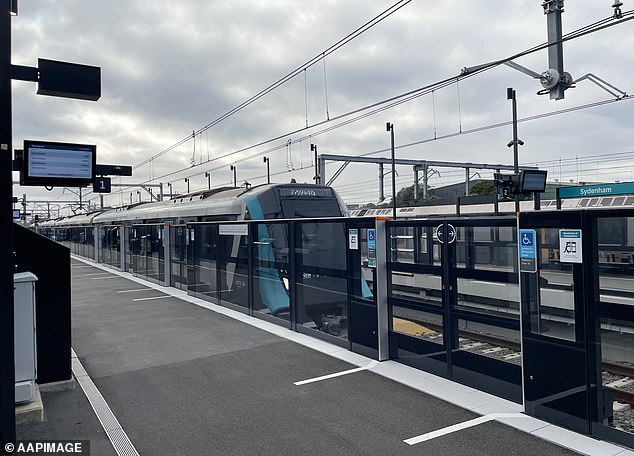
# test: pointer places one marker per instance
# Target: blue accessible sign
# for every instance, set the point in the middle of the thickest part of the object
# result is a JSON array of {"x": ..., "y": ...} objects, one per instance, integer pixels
[
  {"x": 528, "y": 251},
  {"x": 372, "y": 248}
]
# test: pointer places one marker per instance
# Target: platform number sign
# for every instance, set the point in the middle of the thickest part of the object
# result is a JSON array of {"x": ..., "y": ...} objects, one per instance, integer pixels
[
  {"x": 372, "y": 248},
  {"x": 528, "y": 251},
  {"x": 102, "y": 185},
  {"x": 570, "y": 246}
]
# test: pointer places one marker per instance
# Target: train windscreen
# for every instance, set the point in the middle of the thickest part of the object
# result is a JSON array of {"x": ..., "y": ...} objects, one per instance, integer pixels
[{"x": 309, "y": 203}]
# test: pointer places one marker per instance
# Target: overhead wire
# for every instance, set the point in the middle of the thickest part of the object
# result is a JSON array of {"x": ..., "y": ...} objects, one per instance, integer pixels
[
  {"x": 345, "y": 40},
  {"x": 383, "y": 104}
]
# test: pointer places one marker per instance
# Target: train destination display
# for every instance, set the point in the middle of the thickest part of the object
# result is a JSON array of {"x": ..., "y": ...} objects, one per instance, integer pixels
[{"x": 58, "y": 164}]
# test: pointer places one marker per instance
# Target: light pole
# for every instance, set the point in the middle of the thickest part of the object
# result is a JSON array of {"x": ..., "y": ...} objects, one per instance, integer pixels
[
  {"x": 208, "y": 176},
  {"x": 268, "y": 170},
  {"x": 390, "y": 127},
  {"x": 313, "y": 148},
  {"x": 511, "y": 95},
  {"x": 233, "y": 168},
  {"x": 187, "y": 182},
  {"x": 7, "y": 360},
  {"x": 169, "y": 184}
]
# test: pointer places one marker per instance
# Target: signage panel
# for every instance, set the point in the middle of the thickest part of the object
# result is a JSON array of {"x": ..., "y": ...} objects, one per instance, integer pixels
[
  {"x": 372, "y": 248},
  {"x": 237, "y": 229},
  {"x": 623, "y": 188},
  {"x": 570, "y": 246},
  {"x": 527, "y": 245},
  {"x": 353, "y": 239}
]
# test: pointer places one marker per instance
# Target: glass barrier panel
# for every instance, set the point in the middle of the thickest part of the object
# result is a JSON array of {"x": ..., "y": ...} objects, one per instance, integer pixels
[
  {"x": 270, "y": 273},
  {"x": 234, "y": 271},
  {"x": 419, "y": 324},
  {"x": 178, "y": 254},
  {"x": 501, "y": 344},
  {"x": 616, "y": 325},
  {"x": 322, "y": 277},
  {"x": 203, "y": 261},
  {"x": 493, "y": 298},
  {"x": 425, "y": 288},
  {"x": 556, "y": 294}
]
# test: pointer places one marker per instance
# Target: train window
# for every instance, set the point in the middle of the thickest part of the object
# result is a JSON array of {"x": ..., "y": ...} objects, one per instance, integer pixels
[
  {"x": 310, "y": 208},
  {"x": 423, "y": 288},
  {"x": 482, "y": 234},
  {"x": 494, "y": 298},
  {"x": 612, "y": 231}
]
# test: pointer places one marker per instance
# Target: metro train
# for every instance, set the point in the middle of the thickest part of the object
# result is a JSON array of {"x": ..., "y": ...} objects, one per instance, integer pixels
[{"x": 138, "y": 231}]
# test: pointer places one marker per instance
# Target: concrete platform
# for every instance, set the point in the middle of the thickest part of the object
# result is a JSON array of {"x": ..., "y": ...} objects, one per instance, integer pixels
[
  {"x": 182, "y": 376},
  {"x": 30, "y": 412}
]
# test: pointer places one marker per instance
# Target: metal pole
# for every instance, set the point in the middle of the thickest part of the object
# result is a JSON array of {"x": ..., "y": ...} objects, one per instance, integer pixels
[
  {"x": 268, "y": 170},
  {"x": 390, "y": 128},
  {"x": 466, "y": 188},
  {"x": 7, "y": 361},
  {"x": 208, "y": 176},
  {"x": 425, "y": 181},
  {"x": 313, "y": 148},
  {"x": 381, "y": 183},
  {"x": 511, "y": 95},
  {"x": 415, "y": 184}
]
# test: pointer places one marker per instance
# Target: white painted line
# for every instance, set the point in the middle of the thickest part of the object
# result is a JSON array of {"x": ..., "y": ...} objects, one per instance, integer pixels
[
  {"x": 117, "y": 436},
  {"x": 135, "y": 290},
  {"x": 96, "y": 273},
  {"x": 153, "y": 297},
  {"x": 459, "y": 427},
  {"x": 103, "y": 278},
  {"x": 81, "y": 267},
  {"x": 336, "y": 374}
]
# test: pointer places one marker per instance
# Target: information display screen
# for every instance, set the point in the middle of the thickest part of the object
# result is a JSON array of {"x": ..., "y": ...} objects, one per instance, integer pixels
[
  {"x": 58, "y": 164},
  {"x": 533, "y": 181}
]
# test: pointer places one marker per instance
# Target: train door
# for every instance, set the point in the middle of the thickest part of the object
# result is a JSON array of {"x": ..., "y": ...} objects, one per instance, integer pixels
[
  {"x": 178, "y": 256},
  {"x": 553, "y": 247}
]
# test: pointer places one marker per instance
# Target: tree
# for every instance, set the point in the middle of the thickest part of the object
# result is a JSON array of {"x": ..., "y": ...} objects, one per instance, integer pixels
[{"x": 484, "y": 187}]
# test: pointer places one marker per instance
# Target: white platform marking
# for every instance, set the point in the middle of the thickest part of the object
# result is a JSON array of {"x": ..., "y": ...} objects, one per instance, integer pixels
[
  {"x": 459, "y": 427},
  {"x": 153, "y": 297},
  {"x": 135, "y": 290},
  {"x": 117, "y": 436},
  {"x": 336, "y": 374}
]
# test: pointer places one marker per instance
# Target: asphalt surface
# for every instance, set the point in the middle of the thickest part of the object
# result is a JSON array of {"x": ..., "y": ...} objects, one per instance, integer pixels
[{"x": 183, "y": 380}]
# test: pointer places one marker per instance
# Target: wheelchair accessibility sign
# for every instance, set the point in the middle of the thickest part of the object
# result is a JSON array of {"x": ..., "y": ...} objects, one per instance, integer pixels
[
  {"x": 570, "y": 246},
  {"x": 528, "y": 251}
]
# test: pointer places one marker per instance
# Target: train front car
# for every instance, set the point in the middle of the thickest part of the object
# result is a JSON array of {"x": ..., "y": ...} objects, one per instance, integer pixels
[{"x": 320, "y": 268}]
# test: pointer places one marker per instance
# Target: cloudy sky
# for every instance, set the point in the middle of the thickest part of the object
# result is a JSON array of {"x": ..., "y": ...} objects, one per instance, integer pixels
[{"x": 172, "y": 68}]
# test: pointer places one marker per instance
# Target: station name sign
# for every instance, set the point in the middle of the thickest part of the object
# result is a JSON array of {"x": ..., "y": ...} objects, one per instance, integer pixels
[{"x": 624, "y": 188}]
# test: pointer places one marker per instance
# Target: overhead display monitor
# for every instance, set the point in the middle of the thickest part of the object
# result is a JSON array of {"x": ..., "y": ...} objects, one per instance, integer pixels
[
  {"x": 533, "y": 180},
  {"x": 56, "y": 164}
]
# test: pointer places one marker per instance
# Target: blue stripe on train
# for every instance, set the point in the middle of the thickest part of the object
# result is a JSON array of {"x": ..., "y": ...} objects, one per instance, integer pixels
[{"x": 272, "y": 291}]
